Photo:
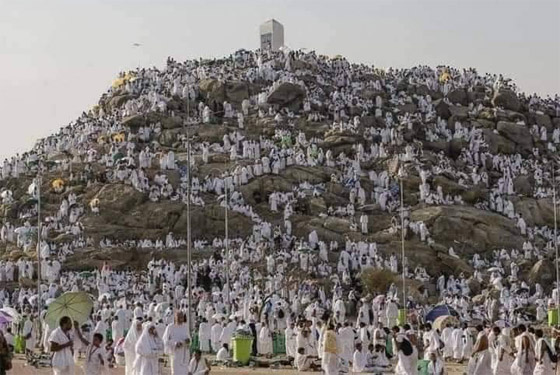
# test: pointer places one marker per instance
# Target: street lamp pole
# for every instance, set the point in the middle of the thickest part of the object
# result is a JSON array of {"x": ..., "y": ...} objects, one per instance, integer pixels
[
  {"x": 556, "y": 241},
  {"x": 228, "y": 302},
  {"x": 39, "y": 229},
  {"x": 189, "y": 260},
  {"x": 402, "y": 242}
]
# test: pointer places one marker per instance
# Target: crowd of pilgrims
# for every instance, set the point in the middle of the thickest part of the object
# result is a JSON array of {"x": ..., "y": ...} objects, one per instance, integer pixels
[{"x": 273, "y": 288}]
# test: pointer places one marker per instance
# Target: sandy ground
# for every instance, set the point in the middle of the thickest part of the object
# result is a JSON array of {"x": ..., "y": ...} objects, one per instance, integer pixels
[{"x": 20, "y": 368}]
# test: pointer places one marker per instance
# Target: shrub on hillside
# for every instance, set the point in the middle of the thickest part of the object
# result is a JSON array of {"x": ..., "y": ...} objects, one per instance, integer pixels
[{"x": 376, "y": 281}]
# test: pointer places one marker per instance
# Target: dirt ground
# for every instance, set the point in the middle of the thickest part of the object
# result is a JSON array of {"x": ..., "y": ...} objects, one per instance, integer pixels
[{"x": 20, "y": 368}]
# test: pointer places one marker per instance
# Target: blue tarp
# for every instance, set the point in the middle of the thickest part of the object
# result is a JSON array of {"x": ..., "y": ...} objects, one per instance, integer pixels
[{"x": 440, "y": 310}]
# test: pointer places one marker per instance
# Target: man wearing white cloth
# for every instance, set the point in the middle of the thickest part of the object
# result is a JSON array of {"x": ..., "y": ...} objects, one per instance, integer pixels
[
  {"x": 198, "y": 365},
  {"x": 61, "y": 345},
  {"x": 329, "y": 357},
  {"x": 176, "y": 340},
  {"x": 130, "y": 341},
  {"x": 148, "y": 349},
  {"x": 359, "y": 361},
  {"x": 406, "y": 353}
]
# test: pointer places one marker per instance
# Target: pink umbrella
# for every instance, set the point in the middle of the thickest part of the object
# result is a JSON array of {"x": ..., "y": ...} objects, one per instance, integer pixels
[{"x": 5, "y": 318}]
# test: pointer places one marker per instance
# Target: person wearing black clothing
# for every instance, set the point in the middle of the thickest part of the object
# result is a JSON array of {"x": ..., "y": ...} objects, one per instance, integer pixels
[{"x": 254, "y": 333}]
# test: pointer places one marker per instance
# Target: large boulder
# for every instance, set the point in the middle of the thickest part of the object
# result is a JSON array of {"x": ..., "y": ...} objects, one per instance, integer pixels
[
  {"x": 498, "y": 144},
  {"x": 535, "y": 212},
  {"x": 213, "y": 90},
  {"x": 458, "y": 96},
  {"x": 476, "y": 230},
  {"x": 209, "y": 222},
  {"x": 485, "y": 124},
  {"x": 452, "y": 263},
  {"x": 119, "y": 197},
  {"x": 474, "y": 285},
  {"x": 456, "y": 147},
  {"x": 448, "y": 186},
  {"x": 288, "y": 95},
  {"x": 259, "y": 189},
  {"x": 442, "y": 109},
  {"x": 519, "y": 134},
  {"x": 506, "y": 99},
  {"x": 541, "y": 119},
  {"x": 407, "y": 108},
  {"x": 168, "y": 138},
  {"x": 542, "y": 272},
  {"x": 171, "y": 122},
  {"x": 336, "y": 224},
  {"x": 524, "y": 185},
  {"x": 338, "y": 143},
  {"x": 458, "y": 113},
  {"x": 297, "y": 174},
  {"x": 134, "y": 121},
  {"x": 236, "y": 92},
  {"x": 119, "y": 100}
]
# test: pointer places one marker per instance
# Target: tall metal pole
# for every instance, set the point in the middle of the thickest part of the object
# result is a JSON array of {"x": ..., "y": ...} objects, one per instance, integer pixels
[
  {"x": 228, "y": 307},
  {"x": 402, "y": 245},
  {"x": 189, "y": 266},
  {"x": 556, "y": 241},
  {"x": 39, "y": 242}
]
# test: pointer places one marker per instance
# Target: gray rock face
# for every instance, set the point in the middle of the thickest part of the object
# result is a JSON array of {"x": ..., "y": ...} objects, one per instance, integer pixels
[
  {"x": 442, "y": 109},
  {"x": 134, "y": 121},
  {"x": 524, "y": 185},
  {"x": 506, "y": 99},
  {"x": 458, "y": 96},
  {"x": 118, "y": 100},
  {"x": 498, "y": 144},
  {"x": 535, "y": 211},
  {"x": 543, "y": 273},
  {"x": 233, "y": 92},
  {"x": 518, "y": 134},
  {"x": 475, "y": 229},
  {"x": 287, "y": 95}
]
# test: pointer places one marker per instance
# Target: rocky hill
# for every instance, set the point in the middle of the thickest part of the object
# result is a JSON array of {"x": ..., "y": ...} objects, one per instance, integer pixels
[{"x": 472, "y": 138}]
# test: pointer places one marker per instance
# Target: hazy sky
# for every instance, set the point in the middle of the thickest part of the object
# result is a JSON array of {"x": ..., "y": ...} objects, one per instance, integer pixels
[{"x": 57, "y": 57}]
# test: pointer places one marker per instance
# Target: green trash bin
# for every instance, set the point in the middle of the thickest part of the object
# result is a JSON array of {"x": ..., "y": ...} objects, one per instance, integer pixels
[
  {"x": 278, "y": 343},
  {"x": 242, "y": 349},
  {"x": 389, "y": 346},
  {"x": 423, "y": 367},
  {"x": 553, "y": 317},
  {"x": 401, "y": 318},
  {"x": 19, "y": 344},
  {"x": 195, "y": 343}
]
